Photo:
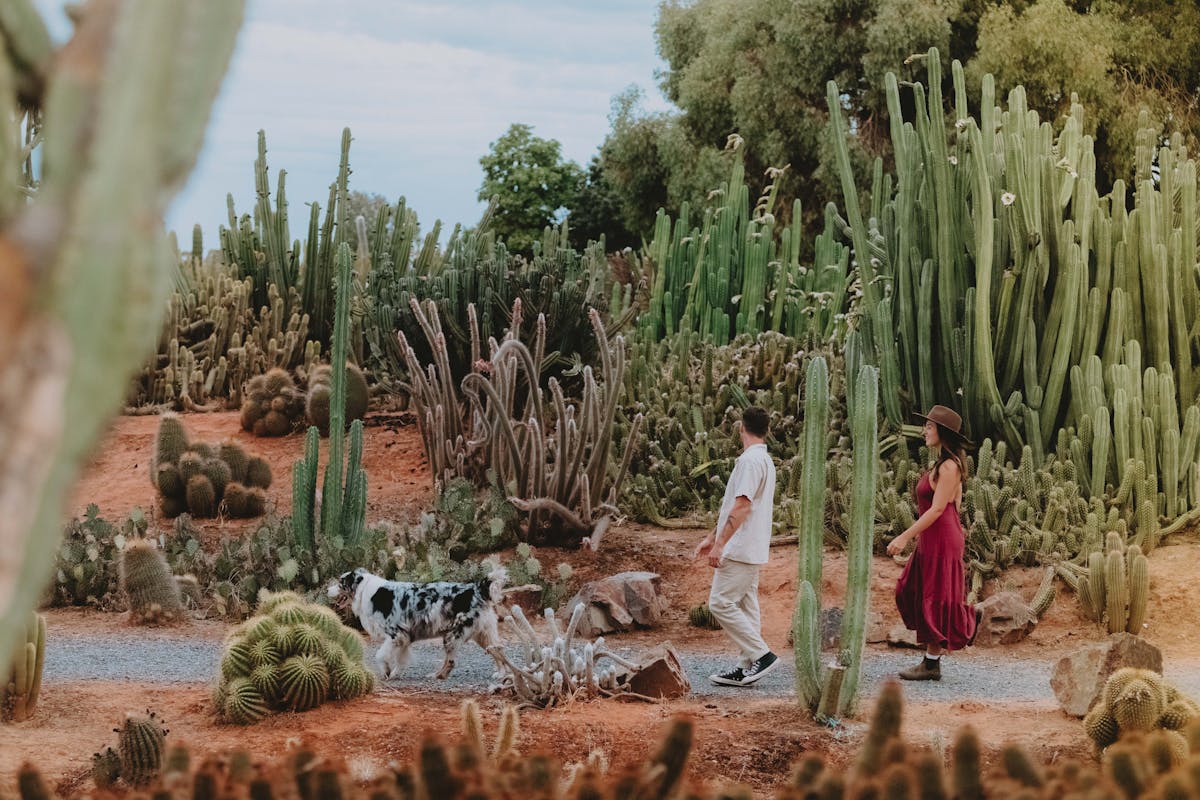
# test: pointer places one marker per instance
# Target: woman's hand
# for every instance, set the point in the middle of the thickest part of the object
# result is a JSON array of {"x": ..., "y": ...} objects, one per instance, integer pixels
[{"x": 896, "y": 546}]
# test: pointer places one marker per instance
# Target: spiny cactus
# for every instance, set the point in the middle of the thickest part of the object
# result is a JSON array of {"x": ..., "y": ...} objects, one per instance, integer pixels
[
  {"x": 702, "y": 617},
  {"x": 21, "y": 688},
  {"x": 148, "y": 585},
  {"x": 293, "y": 655},
  {"x": 271, "y": 404},
  {"x": 320, "y": 396},
  {"x": 205, "y": 479},
  {"x": 141, "y": 743},
  {"x": 1136, "y": 701},
  {"x": 1115, "y": 586}
]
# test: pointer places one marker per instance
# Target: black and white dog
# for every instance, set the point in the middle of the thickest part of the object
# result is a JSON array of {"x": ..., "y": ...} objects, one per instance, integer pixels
[{"x": 401, "y": 613}]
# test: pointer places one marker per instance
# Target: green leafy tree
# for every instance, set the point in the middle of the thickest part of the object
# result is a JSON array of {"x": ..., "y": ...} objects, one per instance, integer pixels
[
  {"x": 758, "y": 69},
  {"x": 596, "y": 212},
  {"x": 364, "y": 204},
  {"x": 532, "y": 182}
]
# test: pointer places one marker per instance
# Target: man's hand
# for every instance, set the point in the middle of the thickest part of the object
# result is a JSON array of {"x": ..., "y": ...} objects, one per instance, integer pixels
[
  {"x": 714, "y": 558},
  {"x": 704, "y": 547}
]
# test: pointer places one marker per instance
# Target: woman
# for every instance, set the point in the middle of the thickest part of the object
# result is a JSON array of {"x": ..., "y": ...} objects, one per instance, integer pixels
[{"x": 930, "y": 591}]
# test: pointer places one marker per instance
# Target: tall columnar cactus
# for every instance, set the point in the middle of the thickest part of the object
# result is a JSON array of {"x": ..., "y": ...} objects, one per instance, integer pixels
[
  {"x": 1115, "y": 587},
  {"x": 343, "y": 502},
  {"x": 293, "y": 655},
  {"x": 21, "y": 688},
  {"x": 123, "y": 107},
  {"x": 806, "y": 629}
]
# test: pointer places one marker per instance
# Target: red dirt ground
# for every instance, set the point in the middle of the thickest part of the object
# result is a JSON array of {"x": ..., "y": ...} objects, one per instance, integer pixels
[{"x": 751, "y": 741}]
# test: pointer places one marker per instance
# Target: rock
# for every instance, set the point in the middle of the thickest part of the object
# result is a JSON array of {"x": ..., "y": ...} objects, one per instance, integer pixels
[
  {"x": 660, "y": 675},
  {"x": 900, "y": 636},
  {"x": 528, "y": 597},
  {"x": 619, "y": 602},
  {"x": 1079, "y": 678},
  {"x": 831, "y": 627},
  {"x": 1007, "y": 619},
  {"x": 877, "y": 628}
]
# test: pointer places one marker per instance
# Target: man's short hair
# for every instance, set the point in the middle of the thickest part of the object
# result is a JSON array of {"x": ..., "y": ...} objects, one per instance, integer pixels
[{"x": 755, "y": 420}]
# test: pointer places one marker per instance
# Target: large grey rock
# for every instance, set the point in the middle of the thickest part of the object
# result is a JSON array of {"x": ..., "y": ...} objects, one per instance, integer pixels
[
  {"x": 619, "y": 602},
  {"x": 1079, "y": 677},
  {"x": 1007, "y": 619}
]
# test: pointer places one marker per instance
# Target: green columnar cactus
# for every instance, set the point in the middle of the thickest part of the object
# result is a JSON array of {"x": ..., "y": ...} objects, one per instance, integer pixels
[
  {"x": 806, "y": 633},
  {"x": 862, "y": 533},
  {"x": 292, "y": 656},
  {"x": 304, "y": 493},
  {"x": 331, "y": 494},
  {"x": 148, "y": 585},
  {"x": 128, "y": 95},
  {"x": 21, "y": 688}
]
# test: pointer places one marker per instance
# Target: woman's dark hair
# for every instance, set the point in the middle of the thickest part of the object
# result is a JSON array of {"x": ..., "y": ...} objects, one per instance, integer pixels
[
  {"x": 953, "y": 449},
  {"x": 755, "y": 421}
]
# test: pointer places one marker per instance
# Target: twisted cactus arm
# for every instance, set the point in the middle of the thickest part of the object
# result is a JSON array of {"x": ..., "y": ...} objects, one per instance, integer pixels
[{"x": 125, "y": 105}]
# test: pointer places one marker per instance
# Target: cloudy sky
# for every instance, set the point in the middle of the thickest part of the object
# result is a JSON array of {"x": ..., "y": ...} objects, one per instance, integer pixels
[{"x": 424, "y": 86}]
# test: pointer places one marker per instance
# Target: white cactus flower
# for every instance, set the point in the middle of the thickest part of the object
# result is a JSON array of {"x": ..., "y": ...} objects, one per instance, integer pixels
[
  {"x": 953, "y": 160},
  {"x": 1008, "y": 198}
]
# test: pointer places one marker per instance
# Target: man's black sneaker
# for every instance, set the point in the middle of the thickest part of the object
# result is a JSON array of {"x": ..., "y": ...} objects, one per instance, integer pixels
[
  {"x": 735, "y": 677},
  {"x": 762, "y": 666}
]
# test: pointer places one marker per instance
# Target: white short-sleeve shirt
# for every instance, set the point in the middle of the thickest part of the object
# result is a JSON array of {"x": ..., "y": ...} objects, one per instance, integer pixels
[{"x": 754, "y": 478}]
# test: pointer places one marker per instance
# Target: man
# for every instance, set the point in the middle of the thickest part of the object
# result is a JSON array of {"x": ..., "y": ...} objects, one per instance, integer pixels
[{"x": 737, "y": 548}]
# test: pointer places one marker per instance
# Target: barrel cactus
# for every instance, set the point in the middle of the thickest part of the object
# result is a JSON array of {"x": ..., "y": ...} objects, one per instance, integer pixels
[
  {"x": 148, "y": 585},
  {"x": 292, "y": 656},
  {"x": 272, "y": 405},
  {"x": 701, "y": 616},
  {"x": 1137, "y": 701},
  {"x": 320, "y": 394},
  {"x": 205, "y": 480},
  {"x": 138, "y": 759}
]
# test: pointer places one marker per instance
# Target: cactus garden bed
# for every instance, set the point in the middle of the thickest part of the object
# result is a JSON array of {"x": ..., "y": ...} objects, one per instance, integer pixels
[{"x": 753, "y": 737}]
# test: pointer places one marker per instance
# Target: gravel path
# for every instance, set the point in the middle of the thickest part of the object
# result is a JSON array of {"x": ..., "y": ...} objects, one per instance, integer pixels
[{"x": 154, "y": 657}]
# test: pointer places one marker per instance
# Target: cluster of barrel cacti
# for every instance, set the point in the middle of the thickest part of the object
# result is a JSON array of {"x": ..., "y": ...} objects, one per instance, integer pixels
[
  {"x": 832, "y": 691},
  {"x": 199, "y": 478},
  {"x": 138, "y": 759},
  {"x": 22, "y": 685},
  {"x": 150, "y": 589},
  {"x": 292, "y": 656},
  {"x": 272, "y": 405},
  {"x": 1140, "y": 701}
]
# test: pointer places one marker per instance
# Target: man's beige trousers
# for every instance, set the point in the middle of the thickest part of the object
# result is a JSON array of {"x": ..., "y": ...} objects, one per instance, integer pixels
[{"x": 733, "y": 601}]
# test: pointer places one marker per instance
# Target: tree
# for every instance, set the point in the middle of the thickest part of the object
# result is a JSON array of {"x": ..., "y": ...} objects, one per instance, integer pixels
[
  {"x": 596, "y": 211},
  {"x": 364, "y": 204},
  {"x": 759, "y": 68},
  {"x": 532, "y": 184}
]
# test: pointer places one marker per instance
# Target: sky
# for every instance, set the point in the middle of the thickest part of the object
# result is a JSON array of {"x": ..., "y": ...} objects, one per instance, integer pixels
[{"x": 424, "y": 87}]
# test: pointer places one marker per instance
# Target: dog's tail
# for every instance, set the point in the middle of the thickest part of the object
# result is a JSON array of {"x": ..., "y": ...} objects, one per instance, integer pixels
[{"x": 493, "y": 584}]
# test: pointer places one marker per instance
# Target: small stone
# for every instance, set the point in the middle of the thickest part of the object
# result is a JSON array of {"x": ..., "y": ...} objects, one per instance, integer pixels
[{"x": 660, "y": 675}]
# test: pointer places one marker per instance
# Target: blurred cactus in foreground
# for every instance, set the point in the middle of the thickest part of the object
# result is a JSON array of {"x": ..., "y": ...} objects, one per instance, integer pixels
[{"x": 117, "y": 117}]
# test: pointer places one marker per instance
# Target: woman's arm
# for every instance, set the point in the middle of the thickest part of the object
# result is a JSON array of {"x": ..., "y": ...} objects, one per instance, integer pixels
[{"x": 944, "y": 492}]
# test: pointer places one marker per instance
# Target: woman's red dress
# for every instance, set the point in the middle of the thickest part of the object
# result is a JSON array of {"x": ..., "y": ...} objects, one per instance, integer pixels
[{"x": 931, "y": 591}]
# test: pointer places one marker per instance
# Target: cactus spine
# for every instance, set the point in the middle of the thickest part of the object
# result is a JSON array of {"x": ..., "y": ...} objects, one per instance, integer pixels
[
  {"x": 141, "y": 743},
  {"x": 20, "y": 690},
  {"x": 149, "y": 587}
]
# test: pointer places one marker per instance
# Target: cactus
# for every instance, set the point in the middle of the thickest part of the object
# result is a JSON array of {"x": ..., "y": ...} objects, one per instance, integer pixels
[
  {"x": 1136, "y": 701},
  {"x": 204, "y": 478},
  {"x": 148, "y": 585},
  {"x": 271, "y": 404},
  {"x": 292, "y": 656},
  {"x": 141, "y": 744},
  {"x": 21, "y": 688},
  {"x": 701, "y": 617},
  {"x": 320, "y": 396},
  {"x": 806, "y": 633}
]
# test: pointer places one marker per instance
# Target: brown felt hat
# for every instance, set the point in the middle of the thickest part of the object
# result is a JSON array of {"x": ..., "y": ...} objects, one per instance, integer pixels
[{"x": 949, "y": 419}]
